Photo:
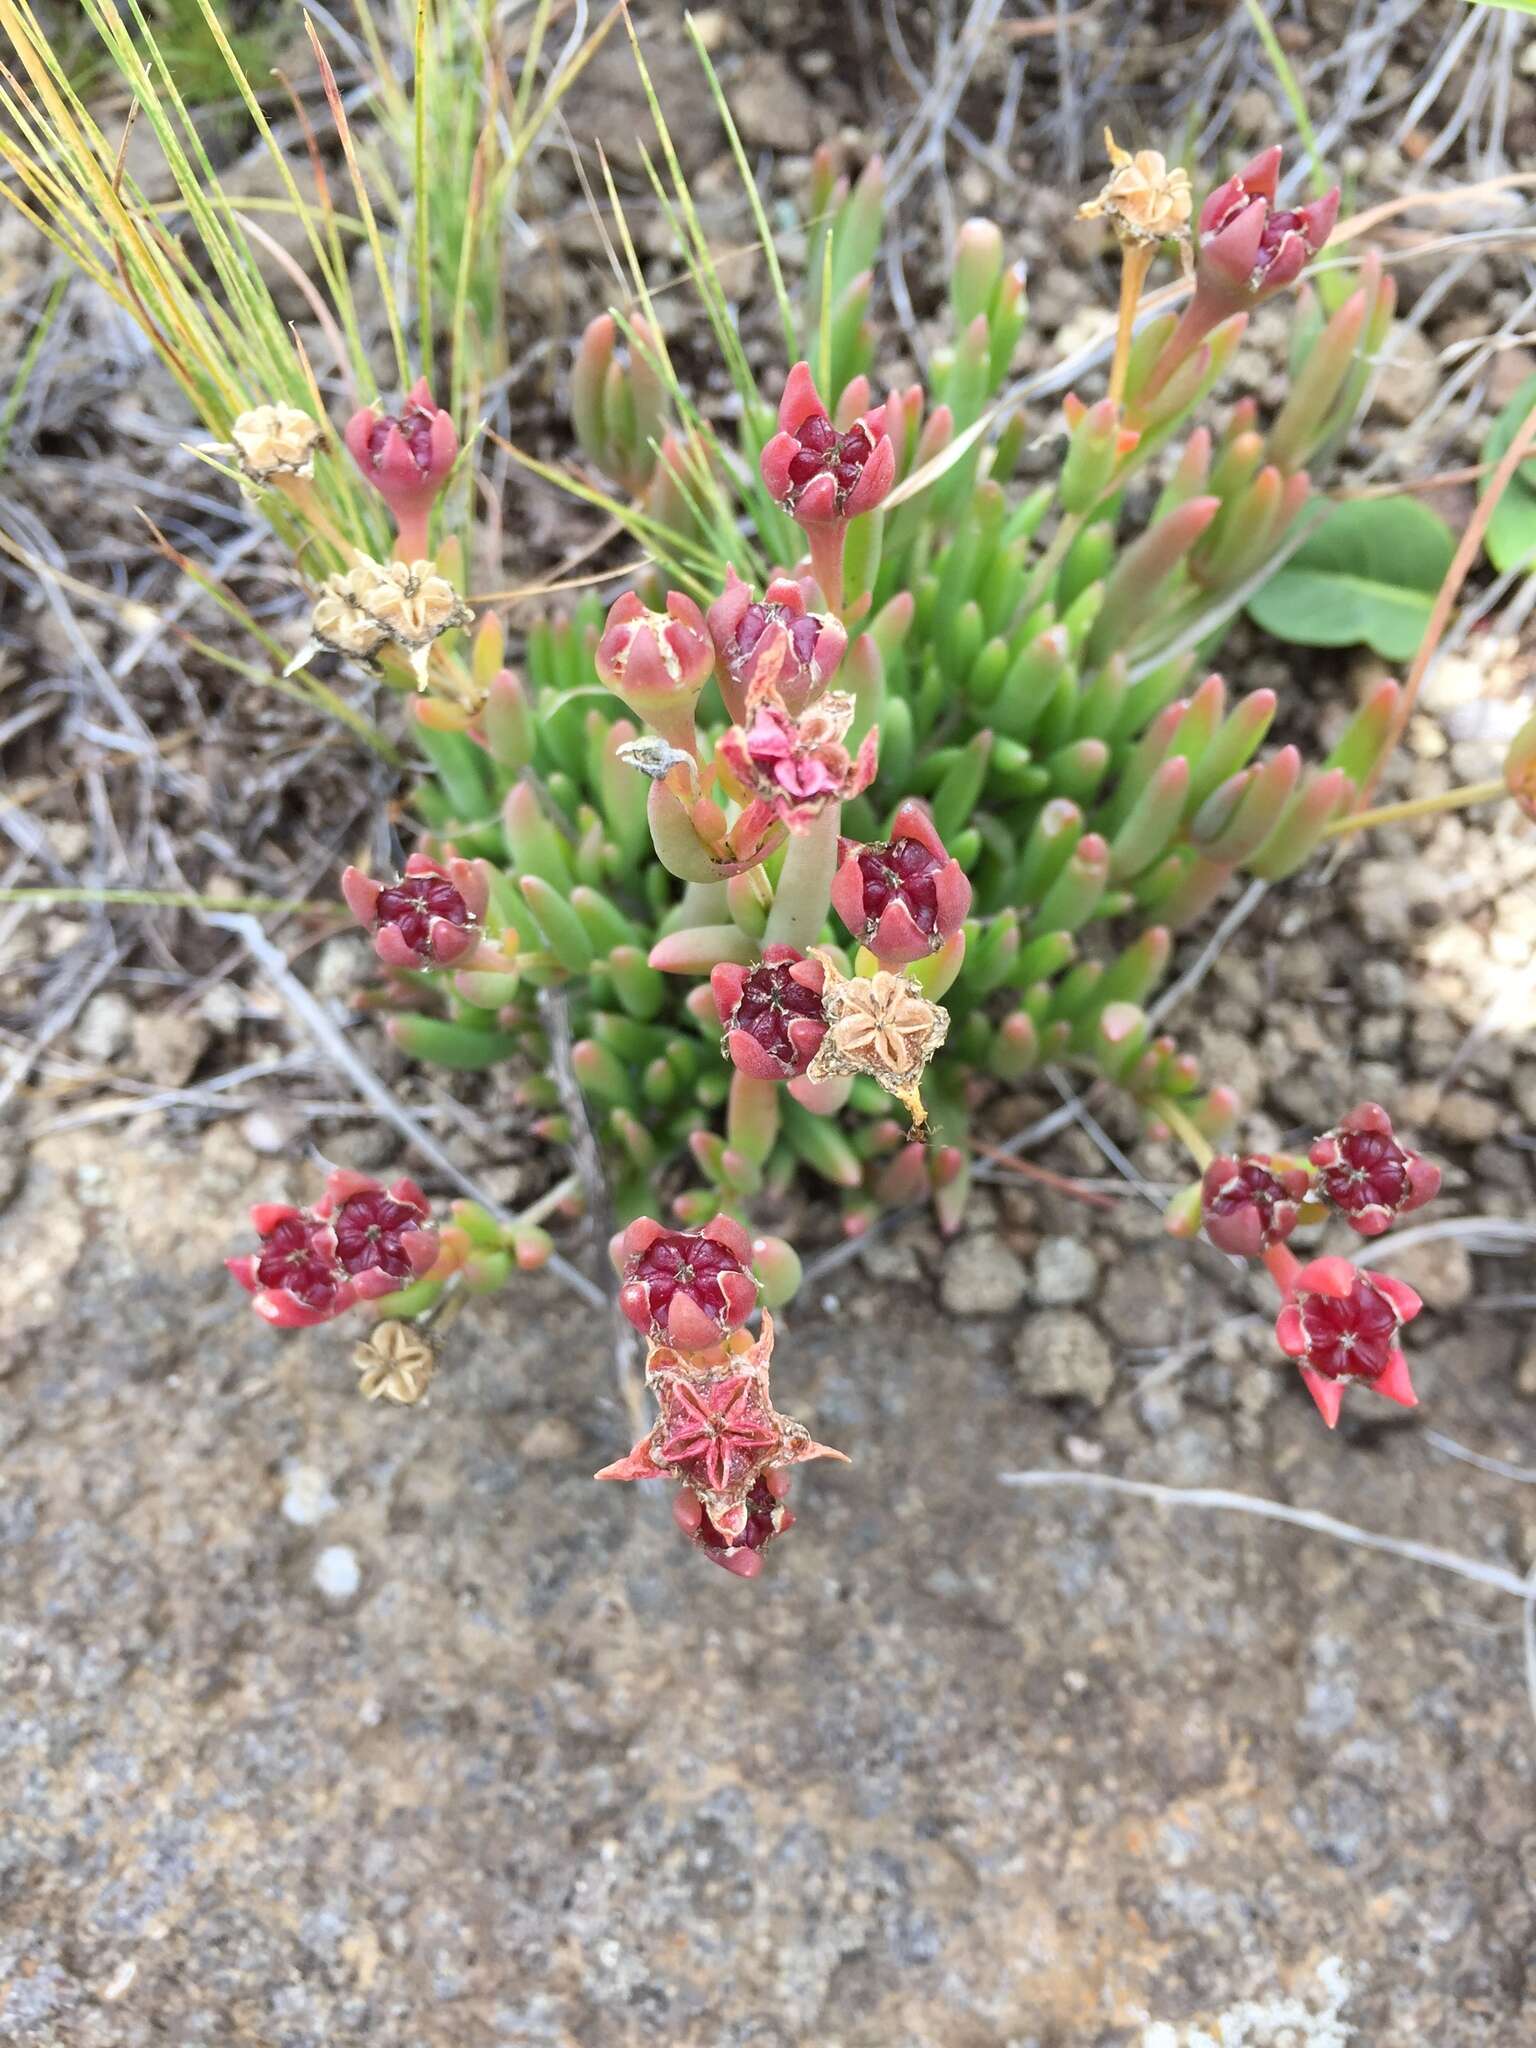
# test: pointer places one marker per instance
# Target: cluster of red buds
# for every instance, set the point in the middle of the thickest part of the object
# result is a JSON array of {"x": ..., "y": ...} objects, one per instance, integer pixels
[
  {"x": 717, "y": 1436},
  {"x": 360, "y": 1241},
  {"x": 1338, "y": 1322}
]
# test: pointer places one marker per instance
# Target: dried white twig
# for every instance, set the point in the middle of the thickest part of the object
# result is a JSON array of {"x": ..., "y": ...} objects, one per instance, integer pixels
[{"x": 1496, "y": 1576}]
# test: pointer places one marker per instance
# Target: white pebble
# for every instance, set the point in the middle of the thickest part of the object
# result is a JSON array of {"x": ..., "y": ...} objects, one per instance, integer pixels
[
  {"x": 307, "y": 1496},
  {"x": 337, "y": 1573}
]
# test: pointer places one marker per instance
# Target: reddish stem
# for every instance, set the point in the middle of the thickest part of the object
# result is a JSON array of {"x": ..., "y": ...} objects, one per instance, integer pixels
[
  {"x": 1284, "y": 1267},
  {"x": 1059, "y": 1181}
]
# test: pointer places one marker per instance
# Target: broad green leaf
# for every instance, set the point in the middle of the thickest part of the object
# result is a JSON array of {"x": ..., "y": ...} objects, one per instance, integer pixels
[
  {"x": 1368, "y": 574},
  {"x": 1511, "y": 537}
]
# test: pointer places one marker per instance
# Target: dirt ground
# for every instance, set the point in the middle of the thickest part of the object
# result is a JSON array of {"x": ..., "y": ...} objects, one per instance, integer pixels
[{"x": 326, "y": 1725}]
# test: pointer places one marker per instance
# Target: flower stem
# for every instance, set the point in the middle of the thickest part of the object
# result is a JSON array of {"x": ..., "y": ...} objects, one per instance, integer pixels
[
  {"x": 551, "y": 1200},
  {"x": 1135, "y": 262},
  {"x": 1283, "y": 1266},
  {"x": 305, "y": 500},
  {"x": 804, "y": 893},
  {"x": 411, "y": 544},
  {"x": 1419, "y": 807},
  {"x": 1185, "y": 1129}
]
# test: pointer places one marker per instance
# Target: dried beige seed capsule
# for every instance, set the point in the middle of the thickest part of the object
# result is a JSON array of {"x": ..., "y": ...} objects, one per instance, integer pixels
[
  {"x": 881, "y": 1025},
  {"x": 396, "y": 1363},
  {"x": 275, "y": 440}
]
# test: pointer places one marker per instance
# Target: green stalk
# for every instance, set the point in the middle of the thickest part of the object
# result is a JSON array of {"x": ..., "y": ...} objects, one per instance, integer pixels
[{"x": 804, "y": 893}]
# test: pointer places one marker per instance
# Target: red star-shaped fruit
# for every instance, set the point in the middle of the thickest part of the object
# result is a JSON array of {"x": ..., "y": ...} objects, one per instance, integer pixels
[
  {"x": 1341, "y": 1324},
  {"x": 720, "y": 1437}
]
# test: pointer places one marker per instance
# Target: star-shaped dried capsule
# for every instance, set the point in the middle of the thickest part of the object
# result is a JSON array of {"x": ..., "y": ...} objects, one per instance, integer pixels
[
  {"x": 272, "y": 441},
  {"x": 395, "y": 1364},
  {"x": 881, "y": 1025}
]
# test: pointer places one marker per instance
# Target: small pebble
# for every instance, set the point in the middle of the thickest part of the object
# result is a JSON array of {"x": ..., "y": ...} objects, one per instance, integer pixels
[
  {"x": 307, "y": 1496},
  {"x": 337, "y": 1574},
  {"x": 1060, "y": 1356},
  {"x": 982, "y": 1277},
  {"x": 105, "y": 1027},
  {"x": 1065, "y": 1272}
]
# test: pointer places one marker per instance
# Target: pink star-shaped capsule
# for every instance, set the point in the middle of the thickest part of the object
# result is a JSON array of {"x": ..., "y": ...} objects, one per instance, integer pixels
[
  {"x": 713, "y": 1430},
  {"x": 718, "y": 1434}
]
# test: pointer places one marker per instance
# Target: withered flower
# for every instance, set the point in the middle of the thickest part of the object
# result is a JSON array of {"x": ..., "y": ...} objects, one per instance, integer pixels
[
  {"x": 881, "y": 1025},
  {"x": 1143, "y": 200},
  {"x": 275, "y": 440},
  {"x": 377, "y": 604}
]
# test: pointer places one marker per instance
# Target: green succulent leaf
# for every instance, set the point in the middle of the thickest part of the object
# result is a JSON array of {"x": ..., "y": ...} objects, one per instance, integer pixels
[
  {"x": 1511, "y": 537},
  {"x": 1367, "y": 575}
]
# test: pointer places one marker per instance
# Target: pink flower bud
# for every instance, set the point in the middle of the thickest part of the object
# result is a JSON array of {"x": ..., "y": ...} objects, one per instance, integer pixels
[
  {"x": 1366, "y": 1175},
  {"x": 1250, "y": 1204},
  {"x": 777, "y": 645},
  {"x": 823, "y": 477},
  {"x": 903, "y": 899},
  {"x": 818, "y": 474},
  {"x": 1249, "y": 248},
  {"x": 687, "y": 1288},
  {"x": 797, "y": 766},
  {"x": 430, "y": 917},
  {"x": 771, "y": 1012},
  {"x": 359, "y": 1241},
  {"x": 1340, "y": 1324},
  {"x": 658, "y": 662},
  {"x": 406, "y": 456}
]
